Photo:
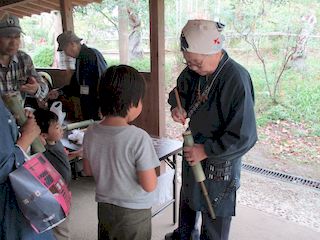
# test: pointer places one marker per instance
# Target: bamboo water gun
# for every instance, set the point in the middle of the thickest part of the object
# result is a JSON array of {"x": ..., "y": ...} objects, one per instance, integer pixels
[
  {"x": 80, "y": 124},
  {"x": 196, "y": 169},
  {"x": 13, "y": 102}
]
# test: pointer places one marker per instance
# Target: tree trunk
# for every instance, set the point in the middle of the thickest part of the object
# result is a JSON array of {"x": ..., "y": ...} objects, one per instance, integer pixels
[
  {"x": 123, "y": 32},
  {"x": 298, "y": 58},
  {"x": 57, "y": 30},
  {"x": 135, "y": 42}
]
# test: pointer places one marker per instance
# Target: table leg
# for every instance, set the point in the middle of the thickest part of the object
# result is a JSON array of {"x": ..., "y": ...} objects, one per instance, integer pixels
[{"x": 174, "y": 160}]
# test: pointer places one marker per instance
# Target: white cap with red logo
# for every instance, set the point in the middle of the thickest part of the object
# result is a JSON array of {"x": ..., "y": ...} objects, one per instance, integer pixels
[{"x": 202, "y": 36}]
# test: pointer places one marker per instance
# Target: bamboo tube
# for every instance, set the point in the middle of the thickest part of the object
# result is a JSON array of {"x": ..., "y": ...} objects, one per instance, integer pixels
[
  {"x": 198, "y": 173},
  {"x": 196, "y": 169},
  {"x": 80, "y": 124},
  {"x": 13, "y": 102}
]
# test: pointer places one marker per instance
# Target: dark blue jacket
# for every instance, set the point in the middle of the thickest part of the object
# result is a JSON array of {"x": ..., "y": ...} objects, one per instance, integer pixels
[
  {"x": 226, "y": 125},
  {"x": 90, "y": 65}
]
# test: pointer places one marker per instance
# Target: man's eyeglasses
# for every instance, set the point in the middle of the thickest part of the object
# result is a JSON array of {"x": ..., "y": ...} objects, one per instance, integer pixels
[{"x": 194, "y": 64}]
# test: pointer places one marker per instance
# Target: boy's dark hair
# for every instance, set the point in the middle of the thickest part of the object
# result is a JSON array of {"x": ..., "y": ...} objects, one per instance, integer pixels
[
  {"x": 44, "y": 118},
  {"x": 120, "y": 88}
]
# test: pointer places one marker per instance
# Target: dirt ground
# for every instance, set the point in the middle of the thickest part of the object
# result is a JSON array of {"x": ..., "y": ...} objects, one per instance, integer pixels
[{"x": 287, "y": 147}]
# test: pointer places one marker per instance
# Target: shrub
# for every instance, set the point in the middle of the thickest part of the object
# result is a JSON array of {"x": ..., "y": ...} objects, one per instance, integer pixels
[
  {"x": 142, "y": 65},
  {"x": 43, "y": 56},
  {"x": 112, "y": 62}
]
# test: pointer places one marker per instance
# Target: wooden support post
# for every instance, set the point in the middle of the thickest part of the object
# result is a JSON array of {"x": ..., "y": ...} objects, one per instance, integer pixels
[
  {"x": 157, "y": 55},
  {"x": 66, "y": 15}
]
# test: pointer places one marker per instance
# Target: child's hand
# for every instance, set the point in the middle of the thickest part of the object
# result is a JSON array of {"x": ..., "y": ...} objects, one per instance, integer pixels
[
  {"x": 66, "y": 151},
  {"x": 74, "y": 154}
]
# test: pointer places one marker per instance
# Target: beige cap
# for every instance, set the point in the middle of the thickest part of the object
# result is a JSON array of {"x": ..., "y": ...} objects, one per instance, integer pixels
[
  {"x": 202, "y": 36},
  {"x": 65, "y": 38}
]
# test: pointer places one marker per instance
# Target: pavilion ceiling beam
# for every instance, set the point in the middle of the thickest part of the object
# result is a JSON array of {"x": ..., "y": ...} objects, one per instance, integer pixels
[
  {"x": 17, "y": 12},
  {"x": 85, "y": 2},
  {"x": 29, "y": 8},
  {"x": 7, "y": 11},
  {"x": 14, "y": 3},
  {"x": 52, "y": 2},
  {"x": 32, "y": 6},
  {"x": 78, "y": 3},
  {"x": 10, "y": 3},
  {"x": 27, "y": 11},
  {"x": 22, "y": 8},
  {"x": 49, "y": 3}
]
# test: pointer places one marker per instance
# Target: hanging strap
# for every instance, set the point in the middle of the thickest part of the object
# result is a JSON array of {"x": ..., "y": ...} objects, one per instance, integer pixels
[{"x": 205, "y": 93}]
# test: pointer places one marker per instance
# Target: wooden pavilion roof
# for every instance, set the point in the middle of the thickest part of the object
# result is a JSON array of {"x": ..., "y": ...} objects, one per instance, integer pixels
[
  {"x": 153, "y": 123},
  {"x": 22, "y": 8}
]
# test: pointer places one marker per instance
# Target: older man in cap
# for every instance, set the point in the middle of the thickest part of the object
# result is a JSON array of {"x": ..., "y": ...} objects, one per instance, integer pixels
[
  {"x": 17, "y": 72},
  {"x": 84, "y": 83},
  {"x": 217, "y": 95}
]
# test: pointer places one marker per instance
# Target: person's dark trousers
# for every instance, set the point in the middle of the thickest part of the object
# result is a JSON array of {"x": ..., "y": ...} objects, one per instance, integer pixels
[
  {"x": 187, "y": 220},
  {"x": 195, "y": 234},
  {"x": 217, "y": 229}
]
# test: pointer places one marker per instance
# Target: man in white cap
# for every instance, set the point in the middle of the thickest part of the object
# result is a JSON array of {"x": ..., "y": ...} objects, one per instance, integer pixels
[
  {"x": 217, "y": 95},
  {"x": 17, "y": 72}
]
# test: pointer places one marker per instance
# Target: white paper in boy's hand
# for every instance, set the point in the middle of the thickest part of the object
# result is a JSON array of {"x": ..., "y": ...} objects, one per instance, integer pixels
[{"x": 76, "y": 136}]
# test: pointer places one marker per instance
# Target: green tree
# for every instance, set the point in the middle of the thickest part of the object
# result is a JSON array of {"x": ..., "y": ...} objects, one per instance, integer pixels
[
  {"x": 132, "y": 15},
  {"x": 252, "y": 22},
  {"x": 43, "y": 56}
]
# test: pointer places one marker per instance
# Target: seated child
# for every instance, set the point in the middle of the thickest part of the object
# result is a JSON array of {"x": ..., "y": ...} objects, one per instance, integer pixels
[
  {"x": 51, "y": 132},
  {"x": 121, "y": 158}
]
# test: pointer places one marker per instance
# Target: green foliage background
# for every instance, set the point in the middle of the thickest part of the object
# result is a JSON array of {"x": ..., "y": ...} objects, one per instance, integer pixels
[
  {"x": 43, "y": 56},
  {"x": 299, "y": 92}
]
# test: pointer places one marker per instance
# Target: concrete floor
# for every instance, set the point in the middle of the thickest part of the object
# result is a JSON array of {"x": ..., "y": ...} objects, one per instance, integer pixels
[{"x": 250, "y": 224}]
